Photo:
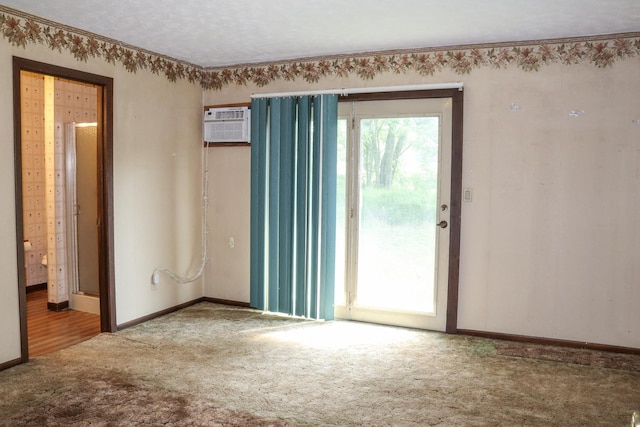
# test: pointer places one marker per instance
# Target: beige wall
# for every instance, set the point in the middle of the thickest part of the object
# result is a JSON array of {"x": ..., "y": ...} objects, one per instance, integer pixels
[
  {"x": 550, "y": 241},
  {"x": 157, "y": 190},
  {"x": 157, "y": 151},
  {"x": 9, "y": 315},
  {"x": 227, "y": 273}
]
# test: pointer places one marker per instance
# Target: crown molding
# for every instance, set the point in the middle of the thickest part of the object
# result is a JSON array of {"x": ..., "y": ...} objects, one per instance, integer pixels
[{"x": 22, "y": 29}]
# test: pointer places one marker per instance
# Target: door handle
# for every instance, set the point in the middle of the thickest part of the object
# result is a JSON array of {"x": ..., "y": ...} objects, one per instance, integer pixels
[{"x": 442, "y": 224}]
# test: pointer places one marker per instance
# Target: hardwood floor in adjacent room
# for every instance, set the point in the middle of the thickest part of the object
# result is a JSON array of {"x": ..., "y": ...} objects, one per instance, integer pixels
[{"x": 50, "y": 331}]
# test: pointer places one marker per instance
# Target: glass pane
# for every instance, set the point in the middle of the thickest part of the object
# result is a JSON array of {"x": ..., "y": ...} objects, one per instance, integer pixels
[
  {"x": 398, "y": 191},
  {"x": 87, "y": 217},
  {"x": 341, "y": 194}
]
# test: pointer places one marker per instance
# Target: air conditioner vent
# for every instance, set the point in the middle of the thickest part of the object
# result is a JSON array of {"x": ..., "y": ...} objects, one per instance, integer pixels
[
  {"x": 231, "y": 124},
  {"x": 228, "y": 114}
]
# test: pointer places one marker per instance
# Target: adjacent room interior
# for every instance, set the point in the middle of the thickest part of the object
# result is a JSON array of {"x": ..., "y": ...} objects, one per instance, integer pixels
[{"x": 459, "y": 182}]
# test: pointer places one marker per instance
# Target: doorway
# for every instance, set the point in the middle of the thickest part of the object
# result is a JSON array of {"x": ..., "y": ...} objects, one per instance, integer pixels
[
  {"x": 56, "y": 190},
  {"x": 398, "y": 212}
]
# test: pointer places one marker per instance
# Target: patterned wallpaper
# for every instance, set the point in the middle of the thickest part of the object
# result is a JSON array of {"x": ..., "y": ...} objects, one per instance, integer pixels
[
  {"x": 21, "y": 29},
  {"x": 54, "y": 200},
  {"x": 33, "y": 176},
  {"x": 75, "y": 102}
]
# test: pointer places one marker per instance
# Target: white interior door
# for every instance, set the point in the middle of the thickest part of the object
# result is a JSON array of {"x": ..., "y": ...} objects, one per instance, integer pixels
[{"x": 394, "y": 183}]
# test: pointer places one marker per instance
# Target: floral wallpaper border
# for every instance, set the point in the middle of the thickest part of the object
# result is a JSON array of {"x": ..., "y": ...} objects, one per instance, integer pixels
[{"x": 21, "y": 29}]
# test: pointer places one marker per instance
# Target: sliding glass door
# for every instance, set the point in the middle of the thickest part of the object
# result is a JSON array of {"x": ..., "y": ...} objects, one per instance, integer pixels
[{"x": 393, "y": 190}]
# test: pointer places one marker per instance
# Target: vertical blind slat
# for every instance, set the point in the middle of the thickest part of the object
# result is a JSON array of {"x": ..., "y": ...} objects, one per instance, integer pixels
[
  {"x": 286, "y": 199},
  {"x": 329, "y": 160},
  {"x": 273, "y": 222},
  {"x": 301, "y": 227},
  {"x": 258, "y": 202}
]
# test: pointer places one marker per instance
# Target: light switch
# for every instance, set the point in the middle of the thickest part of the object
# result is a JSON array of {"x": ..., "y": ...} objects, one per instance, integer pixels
[{"x": 467, "y": 195}]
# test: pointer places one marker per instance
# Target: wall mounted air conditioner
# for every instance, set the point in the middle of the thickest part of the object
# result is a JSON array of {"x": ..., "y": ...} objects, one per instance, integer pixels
[{"x": 230, "y": 124}]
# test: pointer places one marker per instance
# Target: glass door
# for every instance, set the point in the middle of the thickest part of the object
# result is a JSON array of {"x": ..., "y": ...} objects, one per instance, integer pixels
[
  {"x": 83, "y": 220},
  {"x": 394, "y": 172}
]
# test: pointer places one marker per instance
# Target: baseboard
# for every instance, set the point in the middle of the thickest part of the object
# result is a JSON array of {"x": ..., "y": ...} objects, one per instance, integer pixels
[
  {"x": 157, "y": 314},
  {"x": 10, "y": 364},
  {"x": 38, "y": 287},
  {"x": 58, "y": 306},
  {"x": 227, "y": 302},
  {"x": 550, "y": 341},
  {"x": 179, "y": 307}
]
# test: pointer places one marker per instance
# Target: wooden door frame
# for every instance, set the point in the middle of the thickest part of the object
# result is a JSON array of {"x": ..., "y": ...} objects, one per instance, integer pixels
[
  {"x": 105, "y": 163},
  {"x": 457, "y": 99}
]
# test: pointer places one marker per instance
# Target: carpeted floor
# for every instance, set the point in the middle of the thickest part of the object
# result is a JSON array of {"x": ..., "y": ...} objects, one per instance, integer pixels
[{"x": 212, "y": 365}]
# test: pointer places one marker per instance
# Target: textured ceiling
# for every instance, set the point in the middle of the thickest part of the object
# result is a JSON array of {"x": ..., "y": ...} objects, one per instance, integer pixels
[{"x": 215, "y": 33}]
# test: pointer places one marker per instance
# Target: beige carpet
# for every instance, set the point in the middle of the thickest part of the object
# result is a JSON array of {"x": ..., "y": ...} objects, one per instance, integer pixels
[{"x": 213, "y": 365}]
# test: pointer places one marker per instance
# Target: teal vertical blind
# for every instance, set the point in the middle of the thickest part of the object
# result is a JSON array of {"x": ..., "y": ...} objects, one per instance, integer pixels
[{"x": 293, "y": 204}]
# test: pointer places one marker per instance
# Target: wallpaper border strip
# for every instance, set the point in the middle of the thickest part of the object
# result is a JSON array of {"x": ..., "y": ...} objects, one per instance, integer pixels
[{"x": 21, "y": 29}]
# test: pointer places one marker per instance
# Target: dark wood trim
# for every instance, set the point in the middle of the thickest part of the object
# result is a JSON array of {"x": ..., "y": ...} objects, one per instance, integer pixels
[
  {"x": 457, "y": 97},
  {"x": 237, "y": 104},
  {"x": 10, "y": 364},
  {"x": 38, "y": 287},
  {"x": 160, "y": 313},
  {"x": 107, "y": 258},
  {"x": 455, "y": 218},
  {"x": 17, "y": 161},
  {"x": 550, "y": 341},
  {"x": 107, "y": 282},
  {"x": 411, "y": 94},
  {"x": 227, "y": 302},
  {"x": 58, "y": 306}
]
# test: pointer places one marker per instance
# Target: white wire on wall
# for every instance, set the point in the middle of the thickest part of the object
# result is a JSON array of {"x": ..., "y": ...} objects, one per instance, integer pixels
[{"x": 205, "y": 231}]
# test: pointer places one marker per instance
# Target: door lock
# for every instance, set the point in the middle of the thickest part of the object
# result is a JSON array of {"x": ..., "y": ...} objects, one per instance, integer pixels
[{"x": 442, "y": 224}]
